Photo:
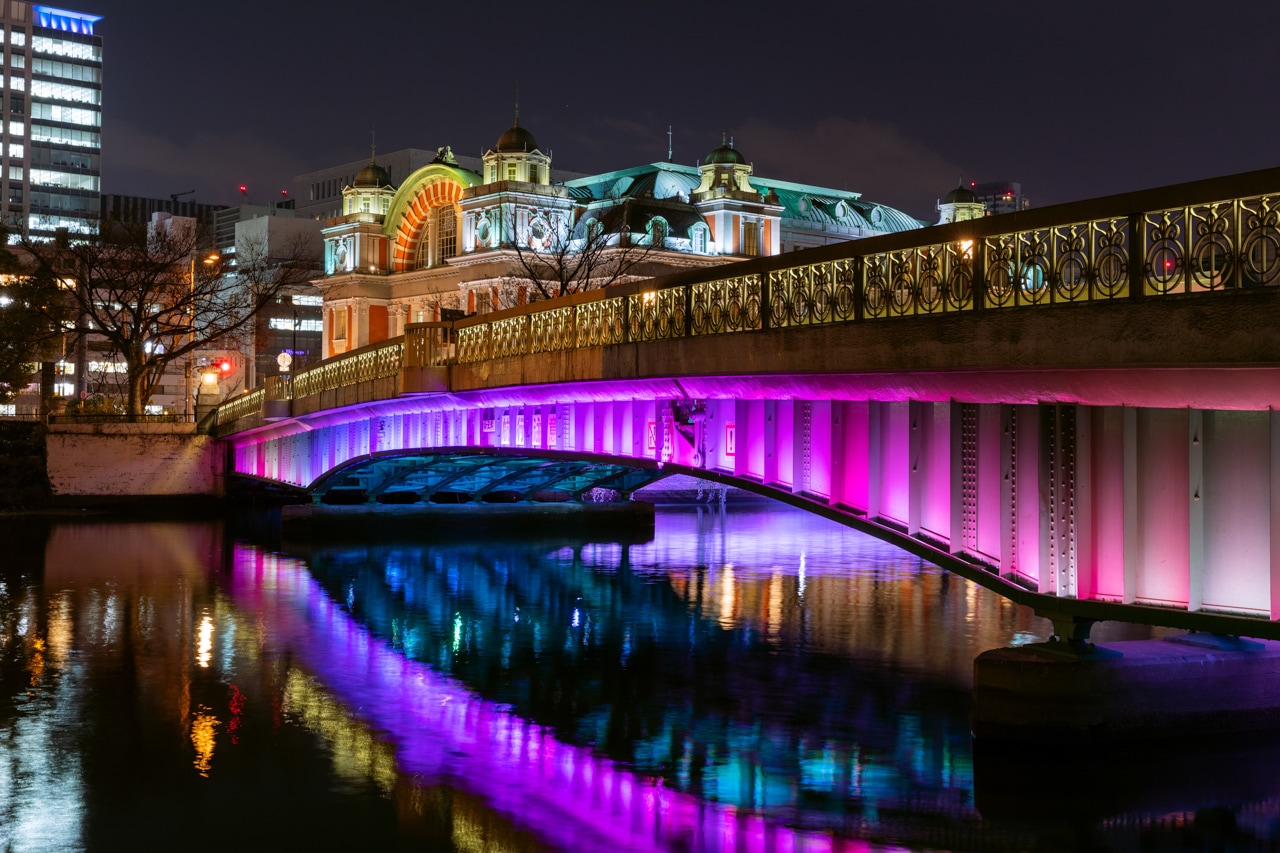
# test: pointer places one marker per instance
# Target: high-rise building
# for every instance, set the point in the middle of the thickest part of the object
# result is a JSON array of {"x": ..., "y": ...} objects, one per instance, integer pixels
[
  {"x": 1001, "y": 196},
  {"x": 52, "y": 114}
]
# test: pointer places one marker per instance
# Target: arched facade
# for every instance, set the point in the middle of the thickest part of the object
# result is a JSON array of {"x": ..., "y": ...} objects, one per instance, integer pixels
[
  {"x": 425, "y": 209},
  {"x": 451, "y": 241}
]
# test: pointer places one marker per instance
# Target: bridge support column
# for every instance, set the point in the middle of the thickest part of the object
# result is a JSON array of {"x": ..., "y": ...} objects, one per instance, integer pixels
[{"x": 1125, "y": 692}]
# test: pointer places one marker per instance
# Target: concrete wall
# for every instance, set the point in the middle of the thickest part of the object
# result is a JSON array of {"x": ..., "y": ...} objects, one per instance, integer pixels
[{"x": 133, "y": 460}]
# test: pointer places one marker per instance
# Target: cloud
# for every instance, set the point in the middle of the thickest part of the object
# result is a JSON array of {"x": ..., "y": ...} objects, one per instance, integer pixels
[
  {"x": 213, "y": 163},
  {"x": 871, "y": 157}
]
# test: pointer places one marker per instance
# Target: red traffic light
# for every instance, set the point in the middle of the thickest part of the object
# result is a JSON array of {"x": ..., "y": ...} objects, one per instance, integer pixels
[{"x": 224, "y": 366}]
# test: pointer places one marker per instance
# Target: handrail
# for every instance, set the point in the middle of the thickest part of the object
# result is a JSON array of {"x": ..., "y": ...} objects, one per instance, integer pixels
[
  {"x": 422, "y": 345},
  {"x": 1191, "y": 239}
]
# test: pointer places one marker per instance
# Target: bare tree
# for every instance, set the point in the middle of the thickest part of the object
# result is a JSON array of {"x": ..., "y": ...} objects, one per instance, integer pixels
[
  {"x": 587, "y": 249},
  {"x": 33, "y": 314},
  {"x": 154, "y": 296}
]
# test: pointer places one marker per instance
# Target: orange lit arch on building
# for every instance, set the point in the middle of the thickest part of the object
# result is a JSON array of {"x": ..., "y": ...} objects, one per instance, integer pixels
[{"x": 429, "y": 188}]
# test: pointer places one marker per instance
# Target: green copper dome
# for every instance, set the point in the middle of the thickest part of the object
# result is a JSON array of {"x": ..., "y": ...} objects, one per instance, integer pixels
[
  {"x": 725, "y": 155},
  {"x": 960, "y": 195}
]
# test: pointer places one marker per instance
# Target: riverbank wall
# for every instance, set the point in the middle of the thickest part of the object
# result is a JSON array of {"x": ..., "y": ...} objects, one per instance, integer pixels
[{"x": 115, "y": 463}]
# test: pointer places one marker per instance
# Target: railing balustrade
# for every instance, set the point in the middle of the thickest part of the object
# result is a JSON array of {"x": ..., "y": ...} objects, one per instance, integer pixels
[{"x": 1184, "y": 249}]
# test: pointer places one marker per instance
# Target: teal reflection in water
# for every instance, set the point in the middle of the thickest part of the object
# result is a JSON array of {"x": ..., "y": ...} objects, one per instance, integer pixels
[{"x": 767, "y": 660}]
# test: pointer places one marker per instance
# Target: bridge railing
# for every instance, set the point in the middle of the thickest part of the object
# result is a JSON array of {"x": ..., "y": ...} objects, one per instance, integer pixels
[
  {"x": 424, "y": 345},
  {"x": 1190, "y": 239}
]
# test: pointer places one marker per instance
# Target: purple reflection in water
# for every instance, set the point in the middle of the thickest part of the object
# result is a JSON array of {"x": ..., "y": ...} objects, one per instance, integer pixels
[{"x": 565, "y": 794}]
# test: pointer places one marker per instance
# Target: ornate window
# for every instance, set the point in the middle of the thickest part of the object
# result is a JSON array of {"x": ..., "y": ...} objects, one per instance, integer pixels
[
  {"x": 446, "y": 233},
  {"x": 751, "y": 239},
  {"x": 657, "y": 232},
  {"x": 699, "y": 238}
]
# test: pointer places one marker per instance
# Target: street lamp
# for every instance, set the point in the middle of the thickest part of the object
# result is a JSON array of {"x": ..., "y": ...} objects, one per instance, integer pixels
[{"x": 209, "y": 260}]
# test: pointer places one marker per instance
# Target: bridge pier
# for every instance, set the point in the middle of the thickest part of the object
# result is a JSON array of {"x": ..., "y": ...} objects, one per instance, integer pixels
[{"x": 1065, "y": 693}]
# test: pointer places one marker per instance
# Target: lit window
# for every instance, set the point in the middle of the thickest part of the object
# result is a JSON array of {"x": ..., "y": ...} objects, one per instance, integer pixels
[
  {"x": 17, "y": 60},
  {"x": 306, "y": 299},
  {"x": 63, "y": 389},
  {"x": 446, "y": 233},
  {"x": 15, "y": 150},
  {"x": 511, "y": 171},
  {"x": 15, "y": 173},
  {"x": 17, "y": 84},
  {"x": 751, "y": 239},
  {"x": 18, "y": 38},
  {"x": 17, "y": 128},
  {"x": 700, "y": 239}
]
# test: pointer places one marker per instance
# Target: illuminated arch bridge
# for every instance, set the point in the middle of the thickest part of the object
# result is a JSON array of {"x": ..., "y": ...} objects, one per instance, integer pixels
[
  {"x": 471, "y": 476},
  {"x": 1076, "y": 406}
]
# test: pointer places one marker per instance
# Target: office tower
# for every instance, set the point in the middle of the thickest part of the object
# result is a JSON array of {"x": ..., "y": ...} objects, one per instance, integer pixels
[{"x": 52, "y": 85}]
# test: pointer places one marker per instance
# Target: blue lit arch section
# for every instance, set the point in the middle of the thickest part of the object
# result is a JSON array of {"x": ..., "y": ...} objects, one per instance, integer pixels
[
  {"x": 64, "y": 20},
  {"x": 471, "y": 477}
]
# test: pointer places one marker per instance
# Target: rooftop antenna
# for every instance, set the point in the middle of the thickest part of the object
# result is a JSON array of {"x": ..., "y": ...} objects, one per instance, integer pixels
[
  {"x": 668, "y": 143},
  {"x": 373, "y": 143},
  {"x": 517, "y": 103}
]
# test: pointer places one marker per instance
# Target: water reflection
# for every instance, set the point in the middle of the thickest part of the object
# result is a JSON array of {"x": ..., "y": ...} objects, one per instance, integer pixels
[{"x": 745, "y": 682}]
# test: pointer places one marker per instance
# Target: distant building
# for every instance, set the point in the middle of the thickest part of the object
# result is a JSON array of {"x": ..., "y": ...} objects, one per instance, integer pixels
[
  {"x": 292, "y": 323},
  {"x": 138, "y": 210},
  {"x": 1001, "y": 196},
  {"x": 52, "y": 105}
]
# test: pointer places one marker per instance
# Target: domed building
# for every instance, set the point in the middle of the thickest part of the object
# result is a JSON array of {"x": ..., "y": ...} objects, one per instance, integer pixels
[
  {"x": 450, "y": 241},
  {"x": 960, "y": 205}
]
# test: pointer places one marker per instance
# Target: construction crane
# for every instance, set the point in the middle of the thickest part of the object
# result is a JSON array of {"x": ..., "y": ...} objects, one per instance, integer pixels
[{"x": 173, "y": 197}]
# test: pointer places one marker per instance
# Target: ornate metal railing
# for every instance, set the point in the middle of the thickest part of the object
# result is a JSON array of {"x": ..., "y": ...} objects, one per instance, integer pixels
[
  {"x": 1197, "y": 247},
  {"x": 242, "y": 406},
  {"x": 1200, "y": 238},
  {"x": 379, "y": 361}
]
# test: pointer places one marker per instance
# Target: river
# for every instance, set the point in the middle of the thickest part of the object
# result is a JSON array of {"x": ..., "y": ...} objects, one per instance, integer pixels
[{"x": 752, "y": 679}]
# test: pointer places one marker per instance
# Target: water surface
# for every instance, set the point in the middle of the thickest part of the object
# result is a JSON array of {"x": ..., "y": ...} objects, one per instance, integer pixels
[{"x": 753, "y": 679}]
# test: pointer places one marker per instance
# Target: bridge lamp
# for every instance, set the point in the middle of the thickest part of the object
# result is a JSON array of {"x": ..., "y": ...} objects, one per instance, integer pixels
[{"x": 649, "y": 297}]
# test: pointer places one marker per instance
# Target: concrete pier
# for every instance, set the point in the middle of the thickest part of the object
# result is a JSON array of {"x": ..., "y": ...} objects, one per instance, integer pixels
[{"x": 1126, "y": 691}]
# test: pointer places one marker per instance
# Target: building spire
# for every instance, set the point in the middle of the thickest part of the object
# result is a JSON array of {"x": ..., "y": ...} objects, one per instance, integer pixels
[
  {"x": 517, "y": 124},
  {"x": 373, "y": 144},
  {"x": 669, "y": 144}
]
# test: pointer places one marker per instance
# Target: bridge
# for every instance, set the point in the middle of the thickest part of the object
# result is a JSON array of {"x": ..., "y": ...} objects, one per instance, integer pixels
[{"x": 1074, "y": 405}]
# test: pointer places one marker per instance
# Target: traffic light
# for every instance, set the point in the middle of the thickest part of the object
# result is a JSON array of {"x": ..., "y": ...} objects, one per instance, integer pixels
[{"x": 223, "y": 368}]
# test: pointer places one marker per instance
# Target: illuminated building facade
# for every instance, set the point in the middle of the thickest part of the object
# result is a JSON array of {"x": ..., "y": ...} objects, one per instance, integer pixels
[
  {"x": 458, "y": 236},
  {"x": 53, "y": 118}
]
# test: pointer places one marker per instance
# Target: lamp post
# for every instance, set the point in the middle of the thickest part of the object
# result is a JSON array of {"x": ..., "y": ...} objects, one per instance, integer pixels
[{"x": 209, "y": 260}]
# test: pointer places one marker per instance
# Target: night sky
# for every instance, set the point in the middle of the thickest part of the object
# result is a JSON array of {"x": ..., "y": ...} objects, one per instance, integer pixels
[{"x": 893, "y": 99}]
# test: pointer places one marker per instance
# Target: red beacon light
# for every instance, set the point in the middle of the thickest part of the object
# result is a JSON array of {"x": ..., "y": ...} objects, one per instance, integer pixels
[{"x": 224, "y": 366}]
